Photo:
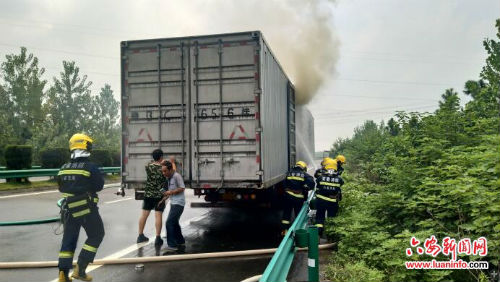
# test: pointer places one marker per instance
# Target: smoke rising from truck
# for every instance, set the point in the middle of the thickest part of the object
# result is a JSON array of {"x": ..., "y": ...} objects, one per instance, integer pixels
[{"x": 299, "y": 31}]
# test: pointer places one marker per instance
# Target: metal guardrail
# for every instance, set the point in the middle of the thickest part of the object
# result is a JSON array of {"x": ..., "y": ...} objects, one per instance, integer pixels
[
  {"x": 4, "y": 174},
  {"x": 32, "y": 167},
  {"x": 279, "y": 266}
]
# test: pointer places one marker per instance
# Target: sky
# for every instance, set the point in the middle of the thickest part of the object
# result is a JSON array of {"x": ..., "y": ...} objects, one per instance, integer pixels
[{"x": 362, "y": 59}]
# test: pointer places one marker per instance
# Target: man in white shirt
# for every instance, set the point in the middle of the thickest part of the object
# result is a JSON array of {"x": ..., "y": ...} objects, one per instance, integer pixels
[{"x": 174, "y": 189}]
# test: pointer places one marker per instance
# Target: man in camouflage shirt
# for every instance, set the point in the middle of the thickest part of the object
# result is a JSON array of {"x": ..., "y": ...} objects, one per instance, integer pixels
[{"x": 153, "y": 197}]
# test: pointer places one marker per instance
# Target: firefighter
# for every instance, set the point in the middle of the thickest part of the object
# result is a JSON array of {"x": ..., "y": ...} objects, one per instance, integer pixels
[
  {"x": 79, "y": 181},
  {"x": 340, "y": 162},
  {"x": 324, "y": 163},
  {"x": 297, "y": 184},
  {"x": 328, "y": 194}
]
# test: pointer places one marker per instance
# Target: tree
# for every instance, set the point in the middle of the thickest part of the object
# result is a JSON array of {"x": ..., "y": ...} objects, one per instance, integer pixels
[
  {"x": 424, "y": 174},
  {"x": 24, "y": 88},
  {"x": 106, "y": 131},
  {"x": 71, "y": 106},
  {"x": 491, "y": 71},
  {"x": 393, "y": 127},
  {"x": 6, "y": 129},
  {"x": 107, "y": 109},
  {"x": 450, "y": 102}
]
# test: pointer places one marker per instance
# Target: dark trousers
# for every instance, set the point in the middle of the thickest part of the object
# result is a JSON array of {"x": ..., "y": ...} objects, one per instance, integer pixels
[
  {"x": 323, "y": 207},
  {"x": 93, "y": 226},
  {"x": 290, "y": 204},
  {"x": 174, "y": 233}
]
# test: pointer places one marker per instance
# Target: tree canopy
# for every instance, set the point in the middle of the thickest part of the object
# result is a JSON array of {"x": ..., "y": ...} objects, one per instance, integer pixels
[
  {"x": 422, "y": 174},
  {"x": 34, "y": 112}
]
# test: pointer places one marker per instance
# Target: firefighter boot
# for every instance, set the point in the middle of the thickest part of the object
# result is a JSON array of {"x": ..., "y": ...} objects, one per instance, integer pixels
[
  {"x": 63, "y": 276},
  {"x": 79, "y": 272}
]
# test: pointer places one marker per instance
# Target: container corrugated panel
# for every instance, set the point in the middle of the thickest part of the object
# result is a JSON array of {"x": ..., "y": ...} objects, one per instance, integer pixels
[
  {"x": 274, "y": 120},
  {"x": 224, "y": 79},
  {"x": 203, "y": 99},
  {"x": 154, "y": 84}
]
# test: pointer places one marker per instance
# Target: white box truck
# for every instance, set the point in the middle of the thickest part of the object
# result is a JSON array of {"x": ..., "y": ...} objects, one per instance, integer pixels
[{"x": 221, "y": 105}]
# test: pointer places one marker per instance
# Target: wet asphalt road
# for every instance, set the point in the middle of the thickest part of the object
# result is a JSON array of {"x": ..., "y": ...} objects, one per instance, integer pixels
[{"x": 205, "y": 229}]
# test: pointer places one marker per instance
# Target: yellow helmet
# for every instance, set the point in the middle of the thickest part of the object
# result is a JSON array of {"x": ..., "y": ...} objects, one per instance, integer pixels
[
  {"x": 302, "y": 165},
  {"x": 341, "y": 159},
  {"x": 80, "y": 141},
  {"x": 331, "y": 165},
  {"x": 327, "y": 161}
]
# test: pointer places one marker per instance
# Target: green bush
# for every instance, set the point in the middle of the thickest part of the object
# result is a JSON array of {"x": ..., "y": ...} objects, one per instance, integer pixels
[
  {"x": 116, "y": 155},
  {"x": 18, "y": 157},
  {"x": 54, "y": 158},
  {"x": 101, "y": 157},
  {"x": 352, "y": 272},
  {"x": 2, "y": 155}
]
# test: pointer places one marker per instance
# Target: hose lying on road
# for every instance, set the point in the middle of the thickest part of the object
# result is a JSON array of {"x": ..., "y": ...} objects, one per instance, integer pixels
[
  {"x": 253, "y": 278},
  {"x": 29, "y": 222},
  {"x": 33, "y": 264},
  {"x": 34, "y": 221}
]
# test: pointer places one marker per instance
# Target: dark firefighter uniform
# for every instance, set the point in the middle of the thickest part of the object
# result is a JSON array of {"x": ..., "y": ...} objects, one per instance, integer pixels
[
  {"x": 340, "y": 162},
  {"x": 79, "y": 181},
  {"x": 319, "y": 172},
  {"x": 297, "y": 183},
  {"x": 328, "y": 194}
]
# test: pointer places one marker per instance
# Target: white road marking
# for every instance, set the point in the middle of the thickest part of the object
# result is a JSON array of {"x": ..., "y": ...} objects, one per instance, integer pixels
[
  {"x": 136, "y": 247},
  {"x": 50, "y": 191},
  {"x": 28, "y": 194},
  {"x": 120, "y": 200}
]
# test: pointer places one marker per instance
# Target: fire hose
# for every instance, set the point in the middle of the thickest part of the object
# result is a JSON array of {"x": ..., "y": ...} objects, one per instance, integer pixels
[
  {"x": 33, "y": 221},
  {"x": 39, "y": 264}
]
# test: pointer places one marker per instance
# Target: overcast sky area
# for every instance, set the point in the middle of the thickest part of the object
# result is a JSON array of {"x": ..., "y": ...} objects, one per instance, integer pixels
[{"x": 389, "y": 55}]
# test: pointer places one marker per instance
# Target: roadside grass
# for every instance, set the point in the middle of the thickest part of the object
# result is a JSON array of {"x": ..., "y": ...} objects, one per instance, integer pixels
[
  {"x": 112, "y": 178},
  {"x": 26, "y": 185}
]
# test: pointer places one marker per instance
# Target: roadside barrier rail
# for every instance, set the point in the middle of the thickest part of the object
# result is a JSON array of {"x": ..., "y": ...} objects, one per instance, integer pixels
[
  {"x": 4, "y": 174},
  {"x": 279, "y": 266}
]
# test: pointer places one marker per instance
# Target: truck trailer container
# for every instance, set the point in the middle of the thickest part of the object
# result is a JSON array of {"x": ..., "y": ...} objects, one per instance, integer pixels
[{"x": 220, "y": 104}]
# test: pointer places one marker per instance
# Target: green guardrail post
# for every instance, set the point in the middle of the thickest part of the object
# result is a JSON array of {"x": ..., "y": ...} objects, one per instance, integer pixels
[
  {"x": 313, "y": 254},
  {"x": 301, "y": 238}
]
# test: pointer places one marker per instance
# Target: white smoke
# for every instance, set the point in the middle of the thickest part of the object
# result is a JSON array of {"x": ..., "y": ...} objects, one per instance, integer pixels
[{"x": 300, "y": 33}]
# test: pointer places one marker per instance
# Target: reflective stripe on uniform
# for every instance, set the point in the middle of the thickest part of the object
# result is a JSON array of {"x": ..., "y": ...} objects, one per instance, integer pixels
[
  {"x": 285, "y": 222},
  {"x": 65, "y": 195},
  {"x": 295, "y": 194},
  {"x": 89, "y": 248},
  {"x": 295, "y": 178},
  {"x": 326, "y": 198},
  {"x": 96, "y": 200},
  {"x": 330, "y": 184},
  {"x": 74, "y": 171},
  {"x": 81, "y": 213},
  {"x": 77, "y": 204},
  {"x": 319, "y": 225},
  {"x": 65, "y": 254}
]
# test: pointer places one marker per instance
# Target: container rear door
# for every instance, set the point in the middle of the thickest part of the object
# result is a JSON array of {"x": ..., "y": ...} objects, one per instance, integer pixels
[
  {"x": 154, "y": 105},
  {"x": 224, "y": 79}
]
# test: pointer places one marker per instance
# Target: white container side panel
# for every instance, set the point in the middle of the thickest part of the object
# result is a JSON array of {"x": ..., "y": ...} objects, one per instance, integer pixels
[
  {"x": 304, "y": 135},
  {"x": 273, "y": 118},
  {"x": 224, "y": 147}
]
